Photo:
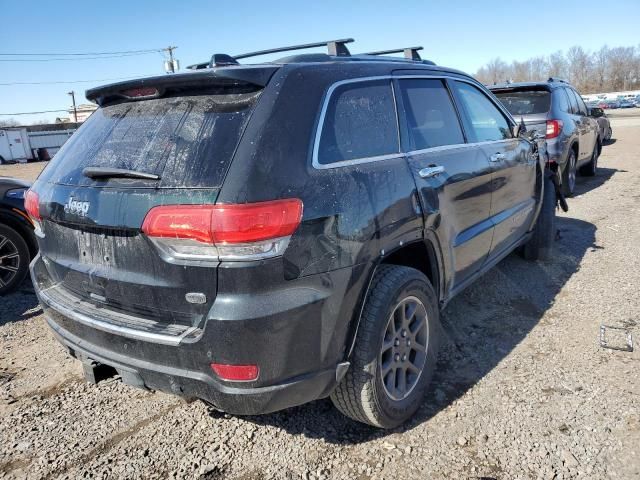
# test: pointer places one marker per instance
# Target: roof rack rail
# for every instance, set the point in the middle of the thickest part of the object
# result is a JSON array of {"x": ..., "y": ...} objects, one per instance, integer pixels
[
  {"x": 336, "y": 48},
  {"x": 555, "y": 79},
  {"x": 410, "y": 53}
]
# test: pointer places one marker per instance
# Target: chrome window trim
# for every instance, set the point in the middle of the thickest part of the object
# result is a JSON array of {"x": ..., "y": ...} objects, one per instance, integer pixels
[
  {"x": 454, "y": 146},
  {"x": 357, "y": 161}
]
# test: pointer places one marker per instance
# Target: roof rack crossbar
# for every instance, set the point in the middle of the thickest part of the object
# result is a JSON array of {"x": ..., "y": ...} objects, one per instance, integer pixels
[
  {"x": 410, "y": 53},
  {"x": 335, "y": 48},
  {"x": 556, "y": 79}
]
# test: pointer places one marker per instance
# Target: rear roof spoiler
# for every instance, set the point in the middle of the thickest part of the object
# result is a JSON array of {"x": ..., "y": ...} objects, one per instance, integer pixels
[{"x": 258, "y": 75}]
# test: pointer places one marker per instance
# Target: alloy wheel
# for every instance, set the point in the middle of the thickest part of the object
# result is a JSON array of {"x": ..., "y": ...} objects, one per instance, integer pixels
[
  {"x": 9, "y": 261},
  {"x": 404, "y": 348}
]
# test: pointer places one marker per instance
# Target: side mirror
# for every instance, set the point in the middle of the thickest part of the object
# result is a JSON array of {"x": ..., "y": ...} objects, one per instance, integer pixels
[{"x": 515, "y": 130}]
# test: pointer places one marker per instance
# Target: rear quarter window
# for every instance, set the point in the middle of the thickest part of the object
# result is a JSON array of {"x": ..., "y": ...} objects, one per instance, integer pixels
[
  {"x": 187, "y": 140},
  {"x": 359, "y": 123}
]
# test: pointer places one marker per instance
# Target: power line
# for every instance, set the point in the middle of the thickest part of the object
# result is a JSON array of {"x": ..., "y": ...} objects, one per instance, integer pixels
[
  {"x": 32, "y": 113},
  {"x": 58, "y": 82},
  {"x": 80, "y": 54},
  {"x": 72, "y": 59}
]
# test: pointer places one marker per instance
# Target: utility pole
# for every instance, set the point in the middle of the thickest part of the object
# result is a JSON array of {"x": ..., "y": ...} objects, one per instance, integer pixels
[
  {"x": 170, "y": 66},
  {"x": 73, "y": 99}
]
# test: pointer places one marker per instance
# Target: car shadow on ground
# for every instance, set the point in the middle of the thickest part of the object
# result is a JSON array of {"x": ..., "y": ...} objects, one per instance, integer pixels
[
  {"x": 19, "y": 305},
  {"x": 611, "y": 141},
  {"x": 481, "y": 327},
  {"x": 586, "y": 184}
]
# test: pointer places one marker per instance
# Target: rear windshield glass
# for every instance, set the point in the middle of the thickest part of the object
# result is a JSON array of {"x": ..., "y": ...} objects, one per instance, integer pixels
[
  {"x": 525, "y": 102},
  {"x": 187, "y": 140}
]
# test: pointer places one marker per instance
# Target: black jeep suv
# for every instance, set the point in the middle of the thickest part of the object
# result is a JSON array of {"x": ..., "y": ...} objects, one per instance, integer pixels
[
  {"x": 555, "y": 109},
  {"x": 260, "y": 236}
]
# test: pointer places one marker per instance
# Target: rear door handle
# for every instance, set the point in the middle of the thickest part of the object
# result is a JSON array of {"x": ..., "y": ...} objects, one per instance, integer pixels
[
  {"x": 431, "y": 171},
  {"x": 497, "y": 157}
]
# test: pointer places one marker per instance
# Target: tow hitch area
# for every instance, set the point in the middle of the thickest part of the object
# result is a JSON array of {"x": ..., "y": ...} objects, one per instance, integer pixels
[
  {"x": 95, "y": 372},
  {"x": 616, "y": 338}
]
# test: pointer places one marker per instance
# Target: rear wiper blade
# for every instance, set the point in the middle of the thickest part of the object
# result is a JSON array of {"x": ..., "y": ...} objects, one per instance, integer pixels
[{"x": 106, "y": 172}]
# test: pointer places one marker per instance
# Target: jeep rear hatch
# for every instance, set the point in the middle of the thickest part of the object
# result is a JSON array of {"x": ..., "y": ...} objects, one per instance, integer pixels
[{"x": 164, "y": 143}]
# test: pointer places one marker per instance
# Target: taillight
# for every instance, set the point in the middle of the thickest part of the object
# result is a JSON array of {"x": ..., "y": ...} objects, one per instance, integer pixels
[
  {"x": 554, "y": 127},
  {"x": 236, "y": 373},
  {"x": 223, "y": 232},
  {"x": 32, "y": 204}
]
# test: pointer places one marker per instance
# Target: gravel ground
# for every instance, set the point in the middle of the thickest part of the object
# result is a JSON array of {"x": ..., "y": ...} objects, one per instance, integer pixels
[{"x": 523, "y": 391}]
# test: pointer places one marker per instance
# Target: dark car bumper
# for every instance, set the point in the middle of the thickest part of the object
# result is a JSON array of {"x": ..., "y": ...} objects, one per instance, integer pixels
[{"x": 294, "y": 345}]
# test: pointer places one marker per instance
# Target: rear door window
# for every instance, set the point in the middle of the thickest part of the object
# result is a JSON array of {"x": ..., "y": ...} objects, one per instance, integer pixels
[
  {"x": 561, "y": 99},
  {"x": 188, "y": 140},
  {"x": 431, "y": 119},
  {"x": 582, "y": 108},
  {"x": 483, "y": 119},
  {"x": 360, "y": 123},
  {"x": 572, "y": 101},
  {"x": 525, "y": 102}
]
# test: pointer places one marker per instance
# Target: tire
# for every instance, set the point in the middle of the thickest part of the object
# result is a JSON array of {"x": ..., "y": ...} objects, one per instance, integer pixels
[
  {"x": 591, "y": 168},
  {"x": 362, "y": 394},
  {"x": 14, "y": 259},
  {"x": 608, "y": 136},
  {"x": 1, "y": 160},
  {"x": 569, "y": 174},
  {"x": 540, "y": 245}
]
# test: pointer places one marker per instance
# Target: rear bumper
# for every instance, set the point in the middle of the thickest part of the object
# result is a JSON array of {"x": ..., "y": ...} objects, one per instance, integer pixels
[
  {"x": 195, "y": 384},
  {"x": 297, "y": 341}
]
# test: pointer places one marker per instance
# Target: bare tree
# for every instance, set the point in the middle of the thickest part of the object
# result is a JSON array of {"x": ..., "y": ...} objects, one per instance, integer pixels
[
  {"x": 557, "y": 65},
  {"x": 621, "y": 60},
  {"x": 539, "y": 67},
  {"x": 9, "y": 122},
  {"x": 579, "y": 65},
  {"x": 606, "y": 70},
  {"x": 496, "y": 71},
  {"x": 600, "y": 67}
]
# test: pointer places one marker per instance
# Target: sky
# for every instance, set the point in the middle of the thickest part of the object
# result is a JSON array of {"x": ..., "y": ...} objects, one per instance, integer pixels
[{"x": 460, "y": 34}]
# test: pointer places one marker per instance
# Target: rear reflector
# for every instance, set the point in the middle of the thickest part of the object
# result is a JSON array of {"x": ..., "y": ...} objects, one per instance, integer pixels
[
  {"x": 226, "y": 232},
  {"x": 554, "y": 127},
  {"x": 236, "y": 373},
  {"x": 32, "y": 205}
]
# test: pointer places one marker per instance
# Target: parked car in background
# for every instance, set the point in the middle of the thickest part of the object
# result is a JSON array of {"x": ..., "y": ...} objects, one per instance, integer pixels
[
  {"x": 17, "y": 240},
  {"x": 612, "y": 104},
  {"x": 555, "y": 109},
  {"x": 604, "y": 125},
  {"x": 351, "y": 198},
  {"x": 626, "y": 103}
]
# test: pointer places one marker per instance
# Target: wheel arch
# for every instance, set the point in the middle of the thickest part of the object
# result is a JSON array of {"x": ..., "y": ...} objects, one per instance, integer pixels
[
  {"x": 18, "y": 224},
  {"x": 421, "y": 255}
]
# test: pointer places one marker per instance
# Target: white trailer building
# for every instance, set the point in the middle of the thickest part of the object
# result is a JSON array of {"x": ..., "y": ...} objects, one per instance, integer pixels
[{"x": 20, "y": 145}]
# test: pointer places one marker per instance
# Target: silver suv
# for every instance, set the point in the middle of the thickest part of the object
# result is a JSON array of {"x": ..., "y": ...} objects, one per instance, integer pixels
[{"x": 555, "y": 109}]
